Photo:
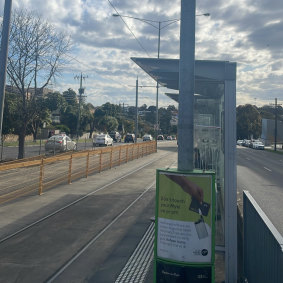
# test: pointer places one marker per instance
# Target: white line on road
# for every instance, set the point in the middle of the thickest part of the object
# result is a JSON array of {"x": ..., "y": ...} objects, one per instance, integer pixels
[
  {"x": 267, "y": 169},
  {"x": 248, "y": 158}
]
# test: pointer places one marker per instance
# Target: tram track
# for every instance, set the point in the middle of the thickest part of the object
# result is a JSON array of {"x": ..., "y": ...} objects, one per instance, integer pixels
[{"x": 120, "y": 202}]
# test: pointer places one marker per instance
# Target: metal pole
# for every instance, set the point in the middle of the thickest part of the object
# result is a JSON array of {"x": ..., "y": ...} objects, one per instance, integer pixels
[
  {"x": 157, "y": 86},
  {"x": 3, "y": 58},
  {"x": 275, "y": 130},
  {"x": 186, "y": 86},
  {"x": 136, "y": 126}
]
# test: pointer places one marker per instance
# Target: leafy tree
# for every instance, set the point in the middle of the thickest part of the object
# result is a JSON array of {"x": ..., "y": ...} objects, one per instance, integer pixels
[
  {"x": 69, "y": 118},
  {"x": 108, "y": 123},
  {"x": 36, "y": 52},
  {"x": 248, "y": 121},
  {"x": 70, "y": 97}
]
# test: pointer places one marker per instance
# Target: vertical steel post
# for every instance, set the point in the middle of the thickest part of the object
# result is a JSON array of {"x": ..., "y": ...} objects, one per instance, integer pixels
[
  {"x": 137, "y": 111},
  {"x": 186, "y": 86},
  {"x": 275, "y": 127},
  {"x": 3, "y": 58},
  {"x": 157, "y": 87}
]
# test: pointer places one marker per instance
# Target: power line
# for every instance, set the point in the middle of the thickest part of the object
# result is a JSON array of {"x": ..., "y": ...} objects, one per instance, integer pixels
[
  {"x": 92, "y": 70},
  {"x": 128, "y": 28}
]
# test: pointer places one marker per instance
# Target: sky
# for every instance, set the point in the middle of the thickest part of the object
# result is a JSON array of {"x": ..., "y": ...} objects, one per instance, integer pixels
[{"x": 248, "y": 32}]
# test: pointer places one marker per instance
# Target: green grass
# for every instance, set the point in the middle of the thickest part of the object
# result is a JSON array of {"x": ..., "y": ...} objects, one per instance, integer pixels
[{"x": 280, "y": 151}]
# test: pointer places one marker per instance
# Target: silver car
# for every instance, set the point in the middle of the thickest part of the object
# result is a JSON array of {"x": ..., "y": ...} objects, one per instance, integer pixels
[
  {"x": 60, "y": 143},
  {"x": 102, "y": 140}
]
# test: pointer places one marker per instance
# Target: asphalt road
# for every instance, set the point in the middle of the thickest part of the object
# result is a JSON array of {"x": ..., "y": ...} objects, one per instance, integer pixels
[
  {"x": 261, "y": 173},
  {"x": 62, "y": 239}
]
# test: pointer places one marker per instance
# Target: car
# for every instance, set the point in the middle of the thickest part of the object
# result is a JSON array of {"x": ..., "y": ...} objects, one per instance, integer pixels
[
  {"x": 102, "y": 140},
  {"x": 258, "y": 145},
  {"x": 174, "y": 138},
  {"x": 115, "y": 136},
  {"x": 240, "y": 142},
  {"x": 246, "y": 143},
  {"x": 169, "y": 138},
  {"x": 147, "y": 138},
  {"x": 60, "y": 143},
  {"x": 129, "y": 138},
  {"x": 160, "y": 137}
]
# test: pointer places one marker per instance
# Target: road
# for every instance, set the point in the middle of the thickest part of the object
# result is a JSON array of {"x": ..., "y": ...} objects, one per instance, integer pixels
[
  {"x": 261, "y": 173},
  {"x": 86, "y": 231}
]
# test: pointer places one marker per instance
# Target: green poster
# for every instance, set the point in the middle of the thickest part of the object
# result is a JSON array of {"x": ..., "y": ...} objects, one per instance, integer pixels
[{"x": 184, "y": 217}]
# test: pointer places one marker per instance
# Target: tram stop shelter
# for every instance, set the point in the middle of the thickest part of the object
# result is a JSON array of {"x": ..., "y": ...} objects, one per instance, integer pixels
[{"x": 214, "y": 138}]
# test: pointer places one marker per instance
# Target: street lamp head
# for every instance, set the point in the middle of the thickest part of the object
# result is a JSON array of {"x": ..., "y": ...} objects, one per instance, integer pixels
[
  {"x": 206, "y": 14},
  {"x": 115, "y": 15}
]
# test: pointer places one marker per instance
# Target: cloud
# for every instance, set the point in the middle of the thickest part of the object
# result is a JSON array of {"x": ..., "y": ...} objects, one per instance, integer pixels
[{"x": 249, "y": 32}]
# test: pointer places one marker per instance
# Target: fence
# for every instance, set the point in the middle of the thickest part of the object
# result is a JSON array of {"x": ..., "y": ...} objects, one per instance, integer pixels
[
  {"x": 38, "y": 174},
  {"x": 9, "y": 149},
  {"x": 263, "y": 245}
]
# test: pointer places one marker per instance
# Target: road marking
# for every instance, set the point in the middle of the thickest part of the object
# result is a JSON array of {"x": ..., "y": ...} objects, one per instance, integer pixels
[
  {"x": 248, "y": 158},
  {"x": 267, "y": 169}
]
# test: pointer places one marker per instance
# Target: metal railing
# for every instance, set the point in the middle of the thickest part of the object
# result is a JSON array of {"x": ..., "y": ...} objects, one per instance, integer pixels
[
  {"x": 263, "y": 245},
  {"x": 38, "y": 174}
]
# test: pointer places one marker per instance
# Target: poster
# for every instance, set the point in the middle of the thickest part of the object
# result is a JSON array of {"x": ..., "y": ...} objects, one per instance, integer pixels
[{"x": 184, "y": 217}]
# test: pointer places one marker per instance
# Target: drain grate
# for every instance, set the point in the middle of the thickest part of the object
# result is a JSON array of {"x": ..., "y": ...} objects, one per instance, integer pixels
[{"x": 138, "y": 264}]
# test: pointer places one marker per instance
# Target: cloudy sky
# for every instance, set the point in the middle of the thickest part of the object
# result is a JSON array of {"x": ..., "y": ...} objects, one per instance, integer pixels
[{"x": 249, "y": 32}]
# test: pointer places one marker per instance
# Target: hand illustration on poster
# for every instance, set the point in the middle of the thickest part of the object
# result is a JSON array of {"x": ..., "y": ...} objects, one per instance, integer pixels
[{"x": 184, "y": 217}]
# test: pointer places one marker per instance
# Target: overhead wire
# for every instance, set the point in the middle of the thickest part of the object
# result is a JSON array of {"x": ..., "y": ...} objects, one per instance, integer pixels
[{"x": 128, "y": 27}]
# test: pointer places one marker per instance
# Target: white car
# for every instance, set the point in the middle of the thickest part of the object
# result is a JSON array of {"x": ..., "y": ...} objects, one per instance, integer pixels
[
  {"x": 147, "y": 138},
  {"x": 258, "y": 145},
  {"x": 240, "y": 142},
  {"x": 102, "y": 140},
  {"x": 60, "y": 143}
]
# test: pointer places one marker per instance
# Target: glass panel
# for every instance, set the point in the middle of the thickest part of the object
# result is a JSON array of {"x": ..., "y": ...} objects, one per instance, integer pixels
[{"x": 209, "y": 141}]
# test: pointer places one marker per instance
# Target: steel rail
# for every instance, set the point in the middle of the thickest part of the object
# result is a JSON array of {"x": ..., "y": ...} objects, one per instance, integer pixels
[{"x": 79, "y": 199}]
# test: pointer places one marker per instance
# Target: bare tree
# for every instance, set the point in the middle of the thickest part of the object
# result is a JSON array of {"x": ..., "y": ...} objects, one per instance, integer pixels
[{"x": 36, "y": 54}]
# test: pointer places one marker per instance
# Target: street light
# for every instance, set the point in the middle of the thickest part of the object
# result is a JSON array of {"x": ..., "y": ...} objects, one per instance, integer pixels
[{"x": 159, "y": 27}]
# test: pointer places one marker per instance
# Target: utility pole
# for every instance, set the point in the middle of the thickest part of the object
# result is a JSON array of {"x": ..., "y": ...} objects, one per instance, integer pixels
[
  {"x": 3, "y": 58},
  {"x": 81, "y": 92}
]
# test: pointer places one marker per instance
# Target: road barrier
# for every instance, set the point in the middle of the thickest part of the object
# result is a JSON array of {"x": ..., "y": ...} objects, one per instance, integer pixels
[{"x": 41, "y": 173}]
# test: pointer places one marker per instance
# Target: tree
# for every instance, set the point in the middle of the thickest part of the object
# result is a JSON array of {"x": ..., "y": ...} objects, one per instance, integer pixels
[
  {"x": 36, "y": 53},
  {"x": 248, "y": 122},
  {"x": 107, "y": 124}
]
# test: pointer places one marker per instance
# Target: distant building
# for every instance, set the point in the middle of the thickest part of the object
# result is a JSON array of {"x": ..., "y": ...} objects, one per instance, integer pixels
[{"x": 268, "y": 131}]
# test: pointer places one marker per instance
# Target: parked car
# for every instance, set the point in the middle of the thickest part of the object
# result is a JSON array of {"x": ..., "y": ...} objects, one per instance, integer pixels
[
  {"x": 102, "y": 140},
  {"x": 246, "y": 143},
  {"x": 239, "y": 142},
  {"x": 129, "y": 138},
  {"x": 115, "y": 136},
  {"x": 60, "y": 143},
  {"x": 160, "y": 137},
  {"x": 258, "y": 145},
  {"x": 147, "y": 138},
  {"x": 169, "y": 138}
]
